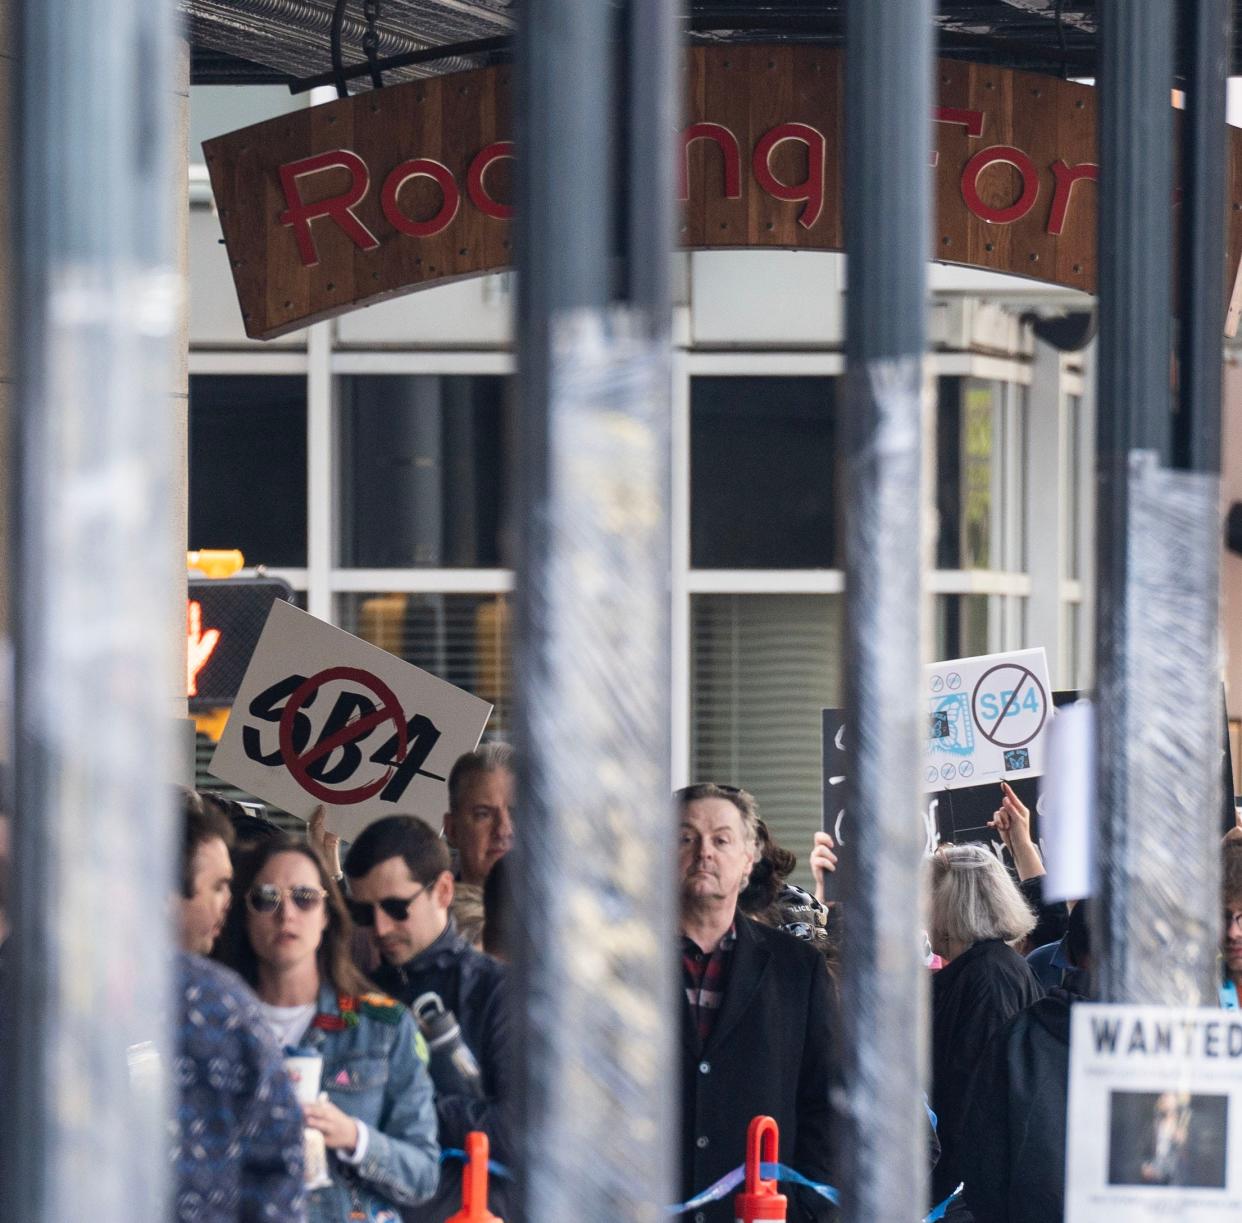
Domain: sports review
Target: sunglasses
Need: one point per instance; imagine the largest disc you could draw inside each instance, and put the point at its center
(267, 897)
(395, 907)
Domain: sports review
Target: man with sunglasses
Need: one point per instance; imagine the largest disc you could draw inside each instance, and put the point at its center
(400, 891)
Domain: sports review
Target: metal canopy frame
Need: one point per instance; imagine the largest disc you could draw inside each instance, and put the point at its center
(1023, 34)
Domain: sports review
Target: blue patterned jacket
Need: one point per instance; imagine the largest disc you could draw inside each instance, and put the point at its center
(238, 1147)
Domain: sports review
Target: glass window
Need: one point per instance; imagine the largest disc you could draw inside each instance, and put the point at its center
(961, 625)
(462, 638)
(763, 473)
(1072, 483)
(1071, 645)
(966, 452)
(248, 466)
(762, 669)
(423, 471)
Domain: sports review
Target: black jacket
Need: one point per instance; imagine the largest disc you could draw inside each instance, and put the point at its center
(1013, 1158)
(771, 1051)
(473, 986)
(972, 998)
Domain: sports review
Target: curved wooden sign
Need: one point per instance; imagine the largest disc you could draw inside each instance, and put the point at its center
(347, 203)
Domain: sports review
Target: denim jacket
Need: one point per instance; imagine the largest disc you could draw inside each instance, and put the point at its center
(375, 1070)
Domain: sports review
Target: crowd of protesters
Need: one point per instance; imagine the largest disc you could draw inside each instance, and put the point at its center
(342, 1027)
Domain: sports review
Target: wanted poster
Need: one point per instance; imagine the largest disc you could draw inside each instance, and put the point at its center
(323, 717)
(1155, 1115)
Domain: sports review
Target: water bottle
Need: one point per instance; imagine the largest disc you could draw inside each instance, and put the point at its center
(442, 1033)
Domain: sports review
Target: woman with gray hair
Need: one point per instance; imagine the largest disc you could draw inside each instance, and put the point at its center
(977, 914)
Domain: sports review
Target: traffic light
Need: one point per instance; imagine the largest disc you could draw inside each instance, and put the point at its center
(224, 618)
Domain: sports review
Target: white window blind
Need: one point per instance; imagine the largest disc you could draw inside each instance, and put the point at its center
(763, 667)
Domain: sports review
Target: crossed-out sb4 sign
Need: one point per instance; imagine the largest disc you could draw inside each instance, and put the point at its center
(987, 719)
(322, 717)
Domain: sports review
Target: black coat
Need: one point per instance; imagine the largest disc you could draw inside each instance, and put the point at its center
(771, 1052)
(972, 998)
(474, 987)
(1013, 1158)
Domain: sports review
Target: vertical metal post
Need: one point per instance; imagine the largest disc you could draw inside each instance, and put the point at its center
(1206, 29)
(1158, 529)
(888, 90)
(596, 99)
(94, 311)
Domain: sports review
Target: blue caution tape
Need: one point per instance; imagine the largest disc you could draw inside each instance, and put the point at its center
(730, 1181)
(769, 1172)
(492, 1166)
(940, 1211)
(781, 1172)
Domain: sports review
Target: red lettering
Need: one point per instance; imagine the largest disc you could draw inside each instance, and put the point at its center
(1007, 155)
(1067, 176)
(339, 207)
(971, 120)
(812, 188)
(727, 143)
(420, 167)
(476, 189)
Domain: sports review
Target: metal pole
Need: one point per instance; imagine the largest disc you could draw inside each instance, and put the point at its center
(1158, 682)
(888, 90)
(1205, 42)
(86, 1048)
(596, 839)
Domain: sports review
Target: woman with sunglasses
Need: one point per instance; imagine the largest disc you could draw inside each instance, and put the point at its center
(290, 940)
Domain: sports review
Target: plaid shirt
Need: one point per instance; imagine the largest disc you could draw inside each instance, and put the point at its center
(705, 977)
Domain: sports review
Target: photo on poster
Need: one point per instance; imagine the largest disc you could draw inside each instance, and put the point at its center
(1171, 1138)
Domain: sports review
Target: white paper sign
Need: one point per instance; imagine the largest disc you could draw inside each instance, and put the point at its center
(1066, 804)
(987, 719)
(323, 717)
(1155, 1115)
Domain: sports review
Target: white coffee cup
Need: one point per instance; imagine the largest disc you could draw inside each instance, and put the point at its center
(305, 1071)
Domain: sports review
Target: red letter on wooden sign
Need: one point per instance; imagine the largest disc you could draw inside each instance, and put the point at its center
(1006, 154)
(727, 142)
(812, 190)
(1067, 176)
(338, 207)
(420, 167)
(971, 120)
(475, 187)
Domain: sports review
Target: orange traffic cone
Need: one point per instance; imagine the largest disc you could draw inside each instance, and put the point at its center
(474, 1184)
(760, 1200)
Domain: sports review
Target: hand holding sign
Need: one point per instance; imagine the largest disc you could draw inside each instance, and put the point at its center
(326, 844)
(1013, 821)
(823, 863)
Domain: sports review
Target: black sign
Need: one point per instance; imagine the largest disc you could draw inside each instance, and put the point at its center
(952, 816)
(224, 617)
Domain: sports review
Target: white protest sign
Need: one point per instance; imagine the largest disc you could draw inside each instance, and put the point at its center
(987, 719)
(323, 717)
(1155, 1114)
(1066, 804)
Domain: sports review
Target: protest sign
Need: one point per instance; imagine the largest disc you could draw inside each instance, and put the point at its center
(1067, 804)
(987, 719)
(1155, 1114)
(323, 717)
(949, 815)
